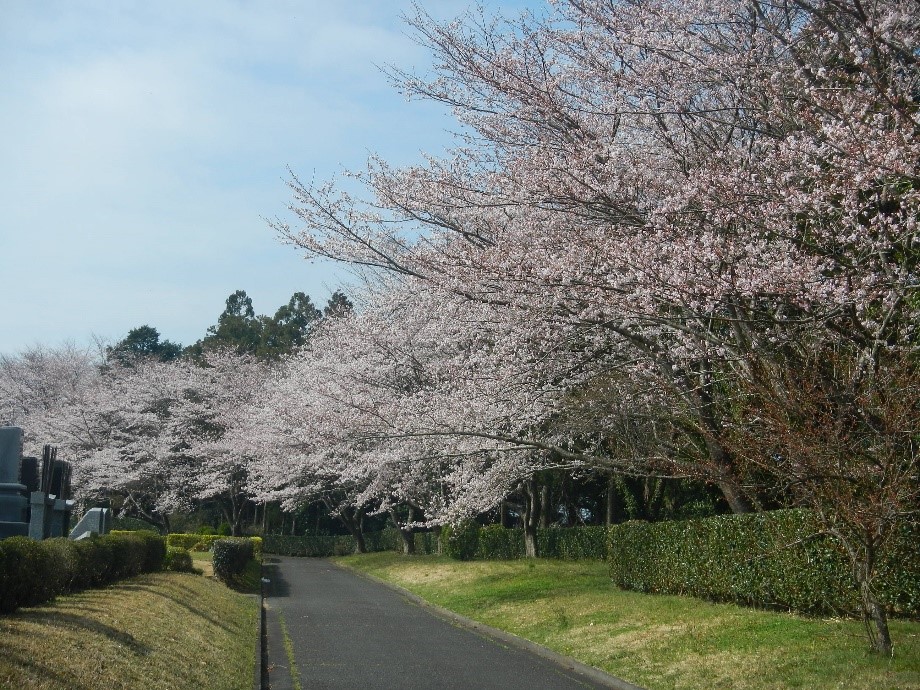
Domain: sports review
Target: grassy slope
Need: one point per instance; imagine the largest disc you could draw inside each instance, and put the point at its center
(164, 630)
(654, 641)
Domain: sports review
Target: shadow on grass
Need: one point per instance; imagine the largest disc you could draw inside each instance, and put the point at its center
(184, 604)
(69, 621)
(42, 673)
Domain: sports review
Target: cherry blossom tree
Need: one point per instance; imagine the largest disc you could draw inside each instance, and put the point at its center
(690, 196)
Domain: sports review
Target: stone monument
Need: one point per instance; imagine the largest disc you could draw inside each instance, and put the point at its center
(14, 505)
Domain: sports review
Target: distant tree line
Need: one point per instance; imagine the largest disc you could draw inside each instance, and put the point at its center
(239, 329)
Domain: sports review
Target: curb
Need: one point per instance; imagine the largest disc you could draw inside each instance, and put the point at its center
(594, 674)
(258, 682)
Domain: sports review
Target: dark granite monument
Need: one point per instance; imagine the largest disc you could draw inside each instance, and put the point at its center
(35, 496)
(14, 506)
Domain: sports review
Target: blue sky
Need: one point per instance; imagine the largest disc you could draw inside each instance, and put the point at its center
(145, 142)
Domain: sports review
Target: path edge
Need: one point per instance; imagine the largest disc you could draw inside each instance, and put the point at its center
(259, 681)
(567, 662)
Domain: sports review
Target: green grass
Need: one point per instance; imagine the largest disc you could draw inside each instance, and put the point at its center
(289, 652)
(163, 630)
(653, 641)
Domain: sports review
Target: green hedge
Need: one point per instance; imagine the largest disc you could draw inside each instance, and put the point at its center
(771, 560)
(340, 545)
(499, 543)
(178, 560)
(461, 541)
(572, 543)
(284, 545)
(193, 542)
(231, 554)
(33, 572)
(205, 542)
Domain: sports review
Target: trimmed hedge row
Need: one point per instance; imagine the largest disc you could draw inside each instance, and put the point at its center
(770, 560)
(205, 542)
(33, 572)
(343, 545)
(564, 543)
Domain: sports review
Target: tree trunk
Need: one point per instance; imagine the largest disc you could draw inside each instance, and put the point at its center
(735, 497)
(407, 535)
(531, 518)
(862, 560)
(544, 506)
(611, 500)
(503, 517)
(352, 520)
(875, 616)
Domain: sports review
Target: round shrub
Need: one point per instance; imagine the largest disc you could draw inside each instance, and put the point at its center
(231, 556)
(178, 560)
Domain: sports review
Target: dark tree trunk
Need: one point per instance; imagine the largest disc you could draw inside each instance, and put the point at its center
(531, 518)
(352, 519)
(862, 560)
(407, 535)
(503, 517)
(611, 500)
(544, 506)
(735, 497)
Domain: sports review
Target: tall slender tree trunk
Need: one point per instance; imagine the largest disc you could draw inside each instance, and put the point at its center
(352, 520)
(531, 518)
(407, 535)
(862, 561)
(544, 507)
(611, 500)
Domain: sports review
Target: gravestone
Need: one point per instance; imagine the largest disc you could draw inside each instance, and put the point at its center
(14, 505)
(95, 521)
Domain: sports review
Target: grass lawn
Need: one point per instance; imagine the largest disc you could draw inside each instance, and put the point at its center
(163, 630)
(653, 641)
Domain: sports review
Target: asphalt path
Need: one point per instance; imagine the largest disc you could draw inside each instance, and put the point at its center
(348, 631)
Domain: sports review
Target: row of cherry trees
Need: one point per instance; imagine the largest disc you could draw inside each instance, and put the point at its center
(674, 238)
(155, 437)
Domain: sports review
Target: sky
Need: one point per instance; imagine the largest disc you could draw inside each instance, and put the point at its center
(146, 143)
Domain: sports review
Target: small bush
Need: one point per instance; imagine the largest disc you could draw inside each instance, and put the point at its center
(178, 560)
(231, 556)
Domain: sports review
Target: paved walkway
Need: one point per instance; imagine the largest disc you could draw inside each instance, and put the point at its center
(347, 631)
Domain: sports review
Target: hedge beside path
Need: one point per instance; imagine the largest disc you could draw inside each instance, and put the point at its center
(34, 572)
(777, 559)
